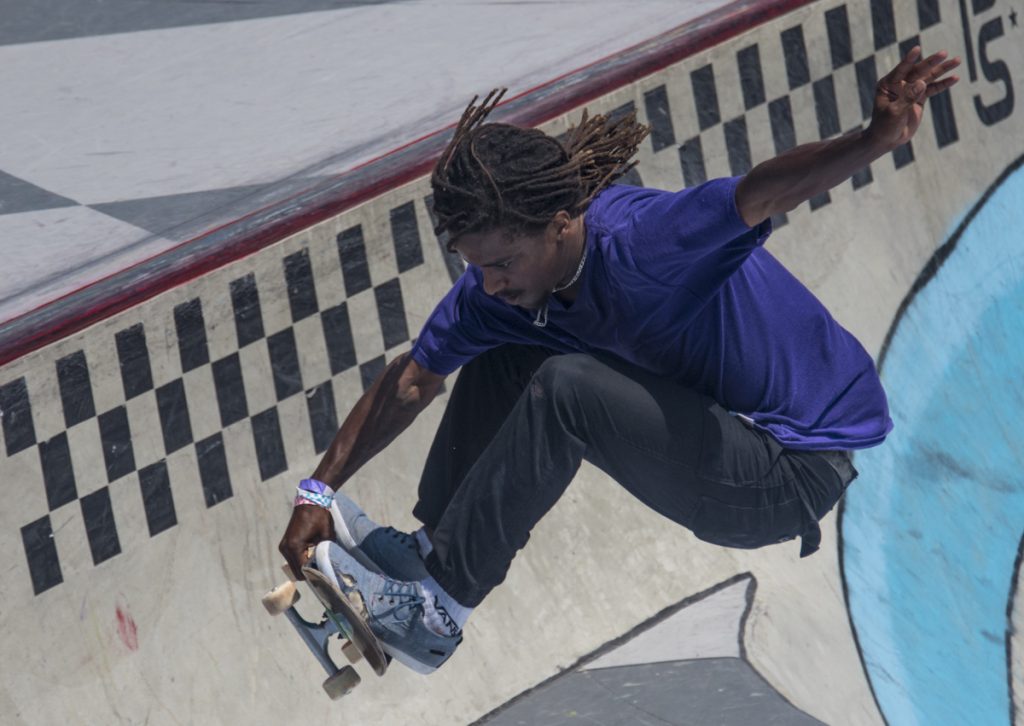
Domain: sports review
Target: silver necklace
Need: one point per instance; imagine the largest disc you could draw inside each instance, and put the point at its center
(542, 315)
(579, 271)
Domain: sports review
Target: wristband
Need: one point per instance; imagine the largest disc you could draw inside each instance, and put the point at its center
(319, 499)
(315, 492)
(316, 486)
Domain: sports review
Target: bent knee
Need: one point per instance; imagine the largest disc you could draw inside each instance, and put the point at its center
(562, 373)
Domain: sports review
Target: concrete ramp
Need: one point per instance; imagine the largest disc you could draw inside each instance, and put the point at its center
(150, 458)
(686, 665)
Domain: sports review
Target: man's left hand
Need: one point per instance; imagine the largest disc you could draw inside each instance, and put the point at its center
(900, 95)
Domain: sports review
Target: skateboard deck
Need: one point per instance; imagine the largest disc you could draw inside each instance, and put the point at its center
(348, 617)
(342, 617)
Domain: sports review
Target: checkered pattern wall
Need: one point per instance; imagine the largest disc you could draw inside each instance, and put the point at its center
(234, 378)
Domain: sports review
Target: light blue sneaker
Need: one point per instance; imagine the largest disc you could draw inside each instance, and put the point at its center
(393, 609)
(384, 550)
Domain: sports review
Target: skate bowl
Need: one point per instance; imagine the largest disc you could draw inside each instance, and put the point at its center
(154, 429)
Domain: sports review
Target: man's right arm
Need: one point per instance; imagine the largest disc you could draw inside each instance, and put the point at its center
(392, 403)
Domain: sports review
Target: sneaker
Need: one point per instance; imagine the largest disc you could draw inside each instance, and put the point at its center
(393, 609)
(384, 550)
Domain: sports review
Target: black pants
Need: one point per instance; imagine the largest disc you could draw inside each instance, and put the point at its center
(520, 420)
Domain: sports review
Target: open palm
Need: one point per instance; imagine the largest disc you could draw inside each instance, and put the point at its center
(901, 94)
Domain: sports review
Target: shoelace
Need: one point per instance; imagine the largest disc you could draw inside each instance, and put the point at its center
(408, 540)
(405, 592)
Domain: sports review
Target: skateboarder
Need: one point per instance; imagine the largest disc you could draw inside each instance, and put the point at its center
(648, 332)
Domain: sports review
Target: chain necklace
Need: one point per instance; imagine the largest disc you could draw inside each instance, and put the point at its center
(579, 271)
(542, 315)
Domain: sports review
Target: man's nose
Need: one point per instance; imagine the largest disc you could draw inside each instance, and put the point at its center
(494, 283)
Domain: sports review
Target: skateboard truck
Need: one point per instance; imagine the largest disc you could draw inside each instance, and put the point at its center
(340, 618)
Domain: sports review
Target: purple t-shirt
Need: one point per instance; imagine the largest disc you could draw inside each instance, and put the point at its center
(678, 284)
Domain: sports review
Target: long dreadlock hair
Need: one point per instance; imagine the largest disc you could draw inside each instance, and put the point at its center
(495, 175)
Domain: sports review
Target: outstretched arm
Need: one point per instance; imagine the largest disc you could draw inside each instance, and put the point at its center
(783, 183)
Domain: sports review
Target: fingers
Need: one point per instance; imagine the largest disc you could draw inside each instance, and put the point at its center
(293, 555)
(912, 68)
(899, 73)
(308, 526)
(923, 70)
(940, 86)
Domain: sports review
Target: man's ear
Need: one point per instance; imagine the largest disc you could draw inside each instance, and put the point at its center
(561, 223)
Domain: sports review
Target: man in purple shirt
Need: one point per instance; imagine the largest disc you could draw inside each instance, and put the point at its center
(648, 332)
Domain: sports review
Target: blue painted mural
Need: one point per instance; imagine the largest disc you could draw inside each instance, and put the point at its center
(932, 529)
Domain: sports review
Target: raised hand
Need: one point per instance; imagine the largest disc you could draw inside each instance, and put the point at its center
(901, 94)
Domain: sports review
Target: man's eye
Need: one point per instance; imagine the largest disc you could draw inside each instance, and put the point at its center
(504, 265)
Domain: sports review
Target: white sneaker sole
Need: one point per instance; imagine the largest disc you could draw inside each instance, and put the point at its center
(322, 557)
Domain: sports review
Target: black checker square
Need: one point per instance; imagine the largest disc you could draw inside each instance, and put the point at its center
(659, 117)
(41, 553)
(819, 200)
(341, 347)
(174, 417)
(355, 269)
(133, 359)
(191, 328)
(269, 443)
(837, 22)
(748, 61)
(245, 303)
(940, 106)
(826, 108)
(213, 470)
(705, 97)
(867, 78)
(19, 430)
(903, 155)
(780, 115)
(883, 23)
(230, 387)
(737, 144)
(157, 498)
(691, 160)
(798, 71)
(100, 528)
(284, 362)
(928, 13)
(298, 273)
(323, 418)
(116, 439)
(75, 388)
(405, 233)
(391, 312)
(58, 473)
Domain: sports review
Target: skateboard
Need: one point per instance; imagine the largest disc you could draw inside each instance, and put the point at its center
(342, 617)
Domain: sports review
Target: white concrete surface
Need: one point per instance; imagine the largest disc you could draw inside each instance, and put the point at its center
(709, 628)
(192, 109)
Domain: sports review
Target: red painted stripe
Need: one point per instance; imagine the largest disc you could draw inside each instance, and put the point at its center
(261, 228)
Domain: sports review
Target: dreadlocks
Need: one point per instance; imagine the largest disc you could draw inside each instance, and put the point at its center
(497, 175)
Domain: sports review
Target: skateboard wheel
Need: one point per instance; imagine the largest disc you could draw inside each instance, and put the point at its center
(350, 651)
(281, 598)
(341, 683)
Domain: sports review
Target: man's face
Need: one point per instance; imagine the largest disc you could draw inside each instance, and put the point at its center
(520, 269)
